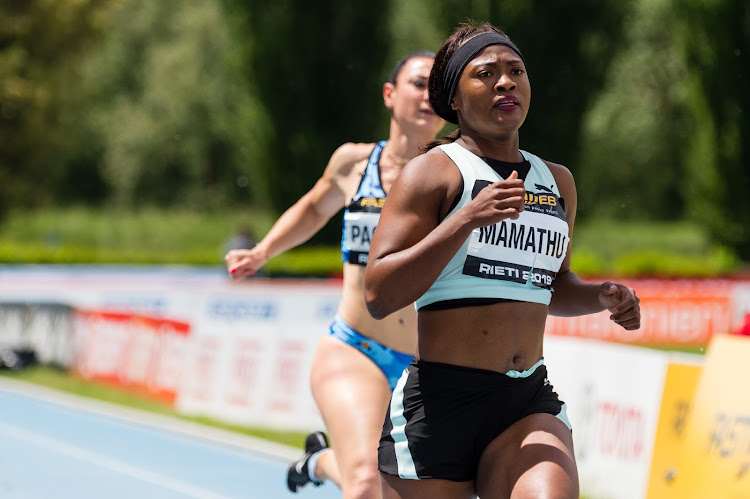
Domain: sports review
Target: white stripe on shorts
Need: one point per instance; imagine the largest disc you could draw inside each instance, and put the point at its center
(404, 459)
(563, 416)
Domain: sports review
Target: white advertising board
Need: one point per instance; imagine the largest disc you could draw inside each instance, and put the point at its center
(613, 393)
(251, 354)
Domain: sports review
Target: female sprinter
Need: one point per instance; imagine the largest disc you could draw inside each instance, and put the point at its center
(477, 233)
(355, 366)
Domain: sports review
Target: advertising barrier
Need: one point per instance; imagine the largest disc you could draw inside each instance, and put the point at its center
(683, 313)
(675, 313)
(679, 389)
(35, 332)
(252, 352)
(713, 458)
(137, 352)
(614, 397)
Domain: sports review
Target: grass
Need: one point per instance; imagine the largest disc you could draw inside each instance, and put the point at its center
(150, 236)
(86, 235)
(154, 236)
(631, 249)
(60, 380)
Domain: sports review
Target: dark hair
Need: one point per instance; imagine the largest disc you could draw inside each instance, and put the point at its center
(400, 64)
(438, 99)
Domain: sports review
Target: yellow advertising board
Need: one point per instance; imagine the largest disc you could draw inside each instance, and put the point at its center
(679, 389)
(714, 456)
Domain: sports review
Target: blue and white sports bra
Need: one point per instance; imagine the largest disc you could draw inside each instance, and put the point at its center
(363, 213)
(512, 259)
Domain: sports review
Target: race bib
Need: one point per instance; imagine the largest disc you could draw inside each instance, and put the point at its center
(529, 249)
(359, 228)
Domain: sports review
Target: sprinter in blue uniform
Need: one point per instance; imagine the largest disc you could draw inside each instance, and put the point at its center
(357, 364)
(477, 233)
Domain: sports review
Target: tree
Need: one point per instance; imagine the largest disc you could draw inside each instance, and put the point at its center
(633, 133)
(41, 44)
(317, 67)
(667, 139)
(176, 123)
(715, 37)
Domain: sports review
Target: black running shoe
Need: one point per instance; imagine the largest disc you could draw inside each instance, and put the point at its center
(298, 476)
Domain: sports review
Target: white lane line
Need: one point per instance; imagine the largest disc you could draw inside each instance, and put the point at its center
(104, 461)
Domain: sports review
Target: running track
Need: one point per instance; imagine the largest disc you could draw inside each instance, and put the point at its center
(54, 445)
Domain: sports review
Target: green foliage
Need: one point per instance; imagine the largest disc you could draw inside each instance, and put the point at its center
(149, 235)
(318, 69)
(720, 262)
(175, 237)
(667, 138)
(637, 249)
(404, 38)
(41, 46)
(210, 104)
(628, 165)
(319, 261)
(175, 122)
(715, 38)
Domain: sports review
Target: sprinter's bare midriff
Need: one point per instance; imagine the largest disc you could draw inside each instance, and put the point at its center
(501, 337)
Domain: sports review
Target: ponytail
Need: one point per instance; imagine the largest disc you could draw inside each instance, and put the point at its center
(451, 137)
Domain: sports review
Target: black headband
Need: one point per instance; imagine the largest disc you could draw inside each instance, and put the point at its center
(466, 53)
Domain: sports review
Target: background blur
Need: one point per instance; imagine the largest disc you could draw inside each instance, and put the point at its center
(148, 132)
(166, 132)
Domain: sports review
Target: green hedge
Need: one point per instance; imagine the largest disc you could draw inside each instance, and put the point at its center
(151, 236)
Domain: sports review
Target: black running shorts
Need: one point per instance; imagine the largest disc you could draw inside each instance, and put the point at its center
(442, 417)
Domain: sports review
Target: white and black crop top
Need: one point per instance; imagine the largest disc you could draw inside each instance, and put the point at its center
(512, 259)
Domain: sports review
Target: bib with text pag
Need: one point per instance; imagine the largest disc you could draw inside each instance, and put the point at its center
(360, 221)
(363, 212)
